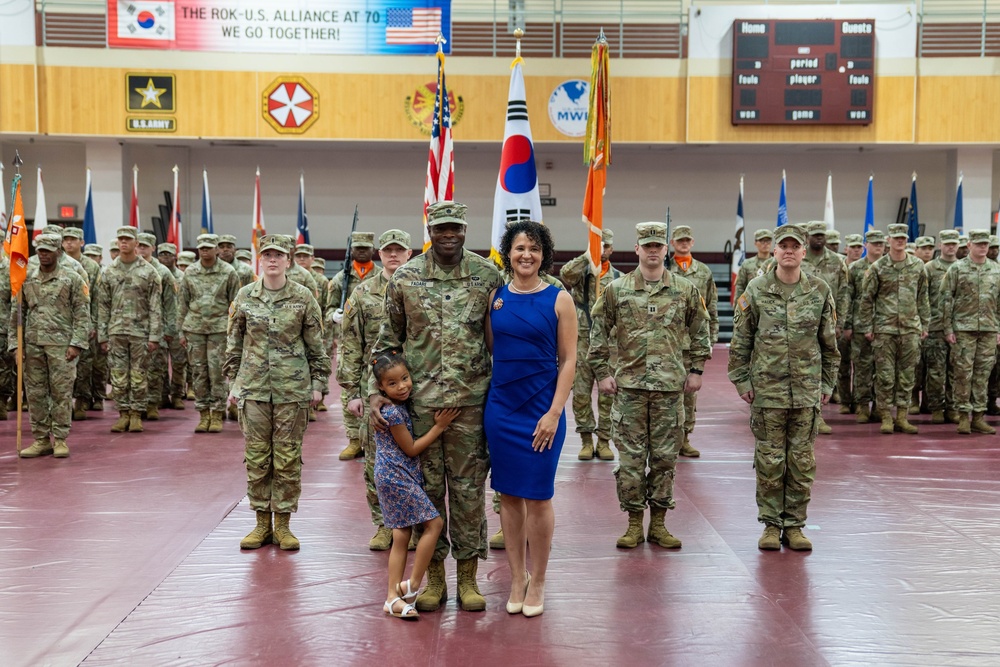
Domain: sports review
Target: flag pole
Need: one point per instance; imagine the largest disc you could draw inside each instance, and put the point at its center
(20, 333)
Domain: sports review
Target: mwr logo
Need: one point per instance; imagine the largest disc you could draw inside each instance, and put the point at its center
(420, 106)
(290, 105)
(568, 107)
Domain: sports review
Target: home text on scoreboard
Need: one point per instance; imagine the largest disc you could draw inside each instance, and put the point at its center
(818, 72)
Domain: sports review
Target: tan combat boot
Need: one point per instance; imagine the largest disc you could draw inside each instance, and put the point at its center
(587, 451)
(497, 542)
(321, 407)
(232, 413)
(79, 410)
(177, 402)
(824, 428)
(97, 405)
(312, 414)
(134, 422)
(604, 450)
(189, 396)
(40, 447)
(992, 409)
(60, 449)
(352, 451)
(153, 412)
(846, 409)
(979, 424)
(469, 597)
(435, 593)
(937, 416)
(795, 540)
(887, 423)
(964, 427)
(658, 533)
(686, 448)
(902, 424)
(771, 539)
(283, 536)
(864, 414)
(214, 421)
(260, 535)
(121, 425)
(952, 416)
(382, 539)
(206, 418)
(633, 535)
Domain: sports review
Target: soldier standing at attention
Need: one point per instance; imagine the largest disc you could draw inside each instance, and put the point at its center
(186, 258)
(362, 268)
(72, 245)
(937, 351)
(243, 255)
(8, 372)
(833, 241)
(971, 313)
(56, 320)
(963, 246)
(227, 253)
(783, 360)
(113, 249)
(318, 269)
(894, 315)
(157, 363)
(94, 251)
(129, 327)
(436, 314)
(759, 263)
(575, 275)
(207, 289)
(855, 248)
(303, 258)
(855, 245)
(99, 374)
(657, 324)
(924, 252)
(277, 366)
(173, 394)
(685, 265)
(862, 356)
(363, 316)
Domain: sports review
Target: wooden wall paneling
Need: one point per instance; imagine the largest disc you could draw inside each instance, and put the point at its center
(958, 109)
(18, 98)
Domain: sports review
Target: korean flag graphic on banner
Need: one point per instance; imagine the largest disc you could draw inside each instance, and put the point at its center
(146, 20)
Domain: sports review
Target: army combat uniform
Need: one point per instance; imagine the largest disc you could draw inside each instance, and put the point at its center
(157, 363)
(862, 354)
(172, 393)
(83, 386)
(937, 351)
(7, 362)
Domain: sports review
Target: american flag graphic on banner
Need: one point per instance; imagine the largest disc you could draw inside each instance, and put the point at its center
(412, 25)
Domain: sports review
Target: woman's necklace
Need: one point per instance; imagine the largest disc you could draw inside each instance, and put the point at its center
(530, 291)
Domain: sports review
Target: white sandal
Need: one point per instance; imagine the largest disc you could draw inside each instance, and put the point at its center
(407, 613)
(409, 595)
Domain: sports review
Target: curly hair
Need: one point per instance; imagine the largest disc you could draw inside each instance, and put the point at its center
(535, 231)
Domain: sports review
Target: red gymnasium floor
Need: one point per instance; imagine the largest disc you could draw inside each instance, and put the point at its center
(127, 554)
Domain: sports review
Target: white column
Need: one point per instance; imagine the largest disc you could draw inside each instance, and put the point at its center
(105, 161)
(975, 164)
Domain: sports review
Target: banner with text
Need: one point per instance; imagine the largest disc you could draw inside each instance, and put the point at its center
(281, 26)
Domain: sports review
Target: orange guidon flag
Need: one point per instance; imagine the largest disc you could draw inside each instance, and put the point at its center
(597, 152)
(16, 241)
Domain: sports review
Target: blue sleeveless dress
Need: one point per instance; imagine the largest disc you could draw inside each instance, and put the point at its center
(525, 370)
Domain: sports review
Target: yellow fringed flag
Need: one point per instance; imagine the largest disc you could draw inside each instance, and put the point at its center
(597, 152)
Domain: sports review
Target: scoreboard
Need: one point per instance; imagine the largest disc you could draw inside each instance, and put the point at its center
(819, 72)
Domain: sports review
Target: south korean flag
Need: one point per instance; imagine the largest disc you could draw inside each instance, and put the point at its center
(146, 20)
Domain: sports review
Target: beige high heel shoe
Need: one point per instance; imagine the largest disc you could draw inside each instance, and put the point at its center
(516, 607)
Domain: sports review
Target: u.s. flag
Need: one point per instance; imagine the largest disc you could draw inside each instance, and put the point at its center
(412, 25)
(146, 20)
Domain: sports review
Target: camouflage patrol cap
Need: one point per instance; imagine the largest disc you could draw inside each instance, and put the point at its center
(446, 211)
(127, 232)
(145, 238)
(227, 238)
(243, 254)
(319, 263)
(363, 239)
(832, 236)
(963, 240)
(72, 233)
(925, 241)
(607, 236)
(816, 228)
(979, 236)
(762, 234)
(994, 241)
(681, 232)
(93, 250)
(897, 231)
(874, 236)
(651, 232)
(796, 232)
(51, 242)
(948, 236)
(910, 247)
(397, 236)
(186, 258)
(114, 244)
(305, 249)
(169, 248)
(207, 241)
(854, 240)
(279, 242)
(53, 228)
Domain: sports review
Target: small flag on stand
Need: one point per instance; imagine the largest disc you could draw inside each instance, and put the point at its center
(89, 225)
(517, 196)
(913, 229)
(258, 226)
(41, 214)
(782, 203)
(207, 224)
(959, 222)
(739, 247)
(597, 153)
(302, 222)
(175, 232)
(828, 207)
(133, 210)
(440, 185)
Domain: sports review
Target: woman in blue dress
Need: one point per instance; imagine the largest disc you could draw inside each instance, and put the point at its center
(532, 336)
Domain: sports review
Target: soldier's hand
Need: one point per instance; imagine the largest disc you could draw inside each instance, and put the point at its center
(748, 397)
(337, 316)
(232, 399)
(356, 407)
(869, 337)
(923, 335)
(317, 398)
(692, 384)
(608, 386)
(375, 417)
(104, 348)
(952, 339)
(152, 346)
(72, 353)
(825, 399)
(184, 341)
(848, 333)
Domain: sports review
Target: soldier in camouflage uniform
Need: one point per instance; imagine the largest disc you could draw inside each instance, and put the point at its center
(827, 265)
(318, 268)
(657, 324)
(894, 315)
(436, 314)
(99, 374)
(94, 251)
(685, 265)
(783, 360)
(362, 268)
(186, 258)
(855, 248)
(56, 316)
(833, 241)
(576, 276)
(303, 258)
(855, 245)
(7, 361)
(924, 252)
(756, 265)
(363, 316)
(994, 386)
(207, 289)
(937, 351)
(129, 327)
(244, 255)
(963, 246)
(157, 373)
(970, 307)
(113, 249)
(72, 245)
(862, 354)
(277, 365)
(227, 253)
(172, 393)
